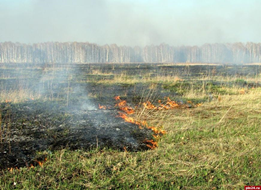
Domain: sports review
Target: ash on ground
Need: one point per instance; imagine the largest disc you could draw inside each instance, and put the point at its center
(34, 126)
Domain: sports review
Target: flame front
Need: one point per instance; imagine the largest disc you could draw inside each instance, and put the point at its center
(149, 105)
(151, 144)
(127, 110)
(129, 119)
(122, 105)
(168, 105)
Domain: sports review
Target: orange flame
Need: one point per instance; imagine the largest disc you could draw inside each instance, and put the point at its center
(178, 79)
(101, 106)
(199, 104)
(40, 163)
(117, 98)
(122, 106)
(171, 103)
(149, 105)
(157, 131)
(151, 144)
(128, 110)
(129, 119)
(168, 105)
(242, 91)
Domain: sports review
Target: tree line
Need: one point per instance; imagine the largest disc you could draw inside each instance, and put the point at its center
(84, 52)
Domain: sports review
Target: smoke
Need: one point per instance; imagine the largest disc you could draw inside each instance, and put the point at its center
(175, 22)
(59, 82)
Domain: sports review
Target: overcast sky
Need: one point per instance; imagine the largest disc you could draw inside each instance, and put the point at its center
(131, 22)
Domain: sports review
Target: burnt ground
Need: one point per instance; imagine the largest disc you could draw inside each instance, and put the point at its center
(74, 121)
(35, 126)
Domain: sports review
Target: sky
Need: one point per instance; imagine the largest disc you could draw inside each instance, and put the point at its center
(131, 22)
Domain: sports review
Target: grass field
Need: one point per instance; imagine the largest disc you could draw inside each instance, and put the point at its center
(216, 145)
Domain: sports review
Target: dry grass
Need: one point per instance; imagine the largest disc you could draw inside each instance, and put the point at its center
(16, 96)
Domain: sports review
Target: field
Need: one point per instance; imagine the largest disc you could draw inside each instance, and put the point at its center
(130, 126)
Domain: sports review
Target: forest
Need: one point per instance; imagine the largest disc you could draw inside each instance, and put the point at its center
(84, 52)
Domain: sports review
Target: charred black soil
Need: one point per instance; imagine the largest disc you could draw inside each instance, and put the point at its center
(35, 126)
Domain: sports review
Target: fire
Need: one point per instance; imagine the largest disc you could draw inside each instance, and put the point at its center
(170, 104)
(117, 98)
(102, 106)
(151, 144)
(122, 105)
(127, 110)
(157, 131)
(178, 79)
(242, 91)
(199, 104)
(149, 105)
(128, 119)
(12, 169)
(40, 163)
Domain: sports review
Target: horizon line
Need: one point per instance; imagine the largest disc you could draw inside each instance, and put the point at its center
(163, 43)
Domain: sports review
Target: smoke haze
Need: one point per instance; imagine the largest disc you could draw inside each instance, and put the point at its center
(131, 23)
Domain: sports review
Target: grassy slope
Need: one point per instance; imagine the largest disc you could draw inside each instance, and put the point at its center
(214, 146)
